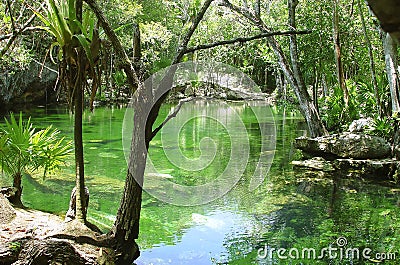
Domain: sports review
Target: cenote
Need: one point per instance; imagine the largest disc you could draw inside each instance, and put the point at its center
(292, 209)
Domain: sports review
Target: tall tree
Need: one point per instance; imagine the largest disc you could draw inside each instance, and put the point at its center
(391, 61)
(307, 107)
(146, 107)
(338, 54)
(79, 46)
(371, 59)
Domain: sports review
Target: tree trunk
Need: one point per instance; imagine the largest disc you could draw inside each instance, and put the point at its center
(126, 227)
(292, 4)
(307, 108)
(17, 183)
(78, 72)
(338, 55)
(390, 50)
(371, 61)
(79, 159)
(137, 51)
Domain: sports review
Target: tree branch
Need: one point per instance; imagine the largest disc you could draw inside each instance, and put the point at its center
(15, 34)
(242, 40)
(182, 48)
(168, 77)
(170, 116)
(124, 61)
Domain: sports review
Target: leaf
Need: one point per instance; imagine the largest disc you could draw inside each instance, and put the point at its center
(86, 46)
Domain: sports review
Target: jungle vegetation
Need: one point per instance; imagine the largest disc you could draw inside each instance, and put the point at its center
(341, 67)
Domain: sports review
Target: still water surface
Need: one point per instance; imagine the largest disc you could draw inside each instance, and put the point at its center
(290, 209)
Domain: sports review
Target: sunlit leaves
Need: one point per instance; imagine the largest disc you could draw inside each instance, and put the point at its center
(23, 148)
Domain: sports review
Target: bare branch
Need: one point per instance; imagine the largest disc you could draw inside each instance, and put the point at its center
(23, 32)
(242, 40)
(182, 48)
(243, 11)
(11, 16)
(168, 78)
(170, 116)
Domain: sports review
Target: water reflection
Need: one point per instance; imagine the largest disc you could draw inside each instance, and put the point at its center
(291, 209)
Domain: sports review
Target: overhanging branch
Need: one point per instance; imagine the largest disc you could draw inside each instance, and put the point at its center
(170, 116)
(242, 40)
(124, 61)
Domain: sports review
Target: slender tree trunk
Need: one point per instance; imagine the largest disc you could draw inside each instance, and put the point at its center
(78, 72)
(292, 4)
(390, 50)
(295, 77)
(371, 60)
(307, 108)
(79, 159)
(338, 54)
(137, 51)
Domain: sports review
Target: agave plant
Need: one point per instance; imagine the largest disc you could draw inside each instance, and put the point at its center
(23, 148)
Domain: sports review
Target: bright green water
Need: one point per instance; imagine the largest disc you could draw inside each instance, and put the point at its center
(291, 209)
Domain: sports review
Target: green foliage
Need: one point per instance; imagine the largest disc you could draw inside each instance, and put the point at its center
(15, 246)
(23, 148)
(362, 103)
(383, 127)
(60, 20)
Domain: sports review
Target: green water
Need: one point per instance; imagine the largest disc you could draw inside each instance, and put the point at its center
(291, 209)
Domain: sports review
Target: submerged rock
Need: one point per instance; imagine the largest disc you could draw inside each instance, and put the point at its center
(346, 145)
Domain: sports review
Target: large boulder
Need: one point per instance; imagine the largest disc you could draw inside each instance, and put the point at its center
(346, 145)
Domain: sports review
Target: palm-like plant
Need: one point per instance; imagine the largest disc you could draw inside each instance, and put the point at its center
(23, 148)
(78, 41)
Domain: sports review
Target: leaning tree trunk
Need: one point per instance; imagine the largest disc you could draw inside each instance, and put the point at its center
(307, 108)
(292, 4)
(371, 60)
(126, 227)
(390, 50)
(338, 54)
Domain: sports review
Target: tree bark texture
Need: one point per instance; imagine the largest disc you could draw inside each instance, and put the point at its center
(17, 184)
(78, 139)
(390, 50)
(338, 54)
(371, 60)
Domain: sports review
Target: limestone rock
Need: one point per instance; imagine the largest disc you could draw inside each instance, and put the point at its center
(7, 212)
(361, 125)
(317, 163)
(346, 145)
(378, 168)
